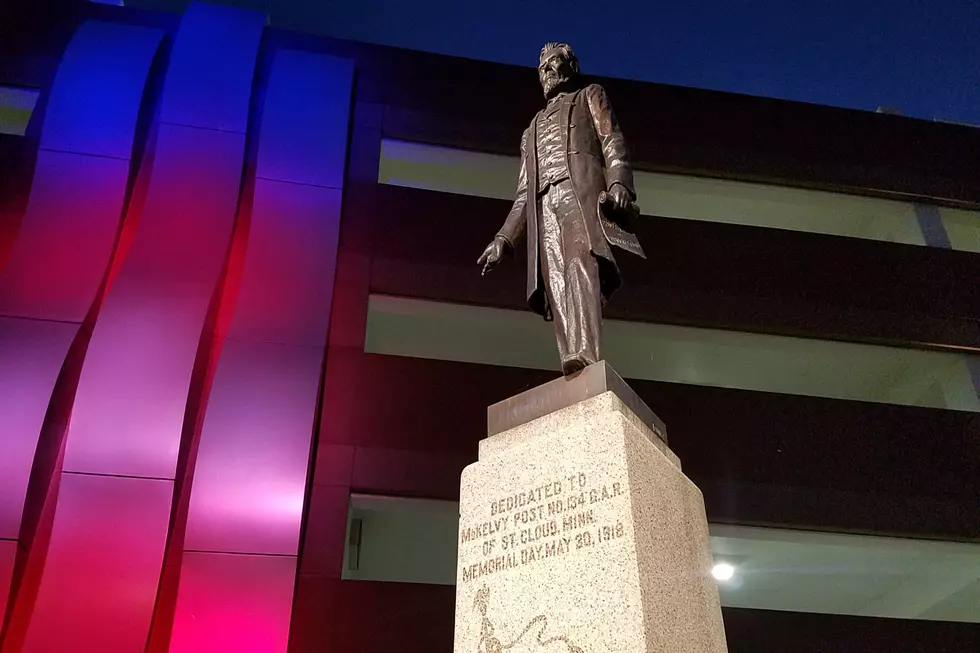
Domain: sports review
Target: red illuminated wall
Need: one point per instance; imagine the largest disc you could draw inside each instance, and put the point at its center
(163, 322)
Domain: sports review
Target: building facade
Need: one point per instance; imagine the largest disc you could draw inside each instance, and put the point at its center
(245, 349)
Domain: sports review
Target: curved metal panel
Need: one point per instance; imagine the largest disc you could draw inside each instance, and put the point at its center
(114, 507)
(95, 99)
(305, 119)
(104, 529)
(32, 353)
(212, 67)
(250, 477)
(287, 282)
(76, 201)
(256, 435)
(251, 470)
(64, 245)
(65, 242)
(230, 602)
(129, 410)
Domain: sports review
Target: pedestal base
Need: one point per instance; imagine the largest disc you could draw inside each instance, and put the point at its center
(579, 532)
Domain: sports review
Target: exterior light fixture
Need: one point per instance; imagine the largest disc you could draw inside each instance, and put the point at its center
(723, 571)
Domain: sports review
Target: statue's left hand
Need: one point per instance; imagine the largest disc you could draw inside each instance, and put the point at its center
(619, 198)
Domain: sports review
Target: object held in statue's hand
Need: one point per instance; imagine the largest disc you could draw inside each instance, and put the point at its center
(609, 209)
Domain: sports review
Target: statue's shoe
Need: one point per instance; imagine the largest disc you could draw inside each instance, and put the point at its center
(570, 366)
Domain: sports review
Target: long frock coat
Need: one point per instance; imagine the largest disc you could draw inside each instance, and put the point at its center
(597, 159)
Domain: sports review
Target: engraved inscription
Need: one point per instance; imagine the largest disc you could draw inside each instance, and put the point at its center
(545, 521)
(481, 530)
(521, 499)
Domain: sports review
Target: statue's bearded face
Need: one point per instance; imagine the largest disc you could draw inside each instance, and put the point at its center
(554, 71)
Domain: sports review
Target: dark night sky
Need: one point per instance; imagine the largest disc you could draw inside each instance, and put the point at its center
(920, 56)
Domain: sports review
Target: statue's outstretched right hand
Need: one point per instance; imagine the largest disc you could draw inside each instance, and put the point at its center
(492, 254)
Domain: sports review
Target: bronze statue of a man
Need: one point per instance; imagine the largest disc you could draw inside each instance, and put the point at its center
(574, 201)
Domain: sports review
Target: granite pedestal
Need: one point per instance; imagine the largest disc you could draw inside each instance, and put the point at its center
(579, 532)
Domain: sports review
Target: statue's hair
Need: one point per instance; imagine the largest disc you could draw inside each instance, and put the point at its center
(566, 51)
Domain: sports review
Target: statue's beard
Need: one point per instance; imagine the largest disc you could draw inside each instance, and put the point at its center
(552, 83)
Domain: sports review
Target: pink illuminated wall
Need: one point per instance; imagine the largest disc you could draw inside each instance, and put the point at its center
(51, 283)
(134, 399)
(246, 505)
(234, 603)
(125, 511)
